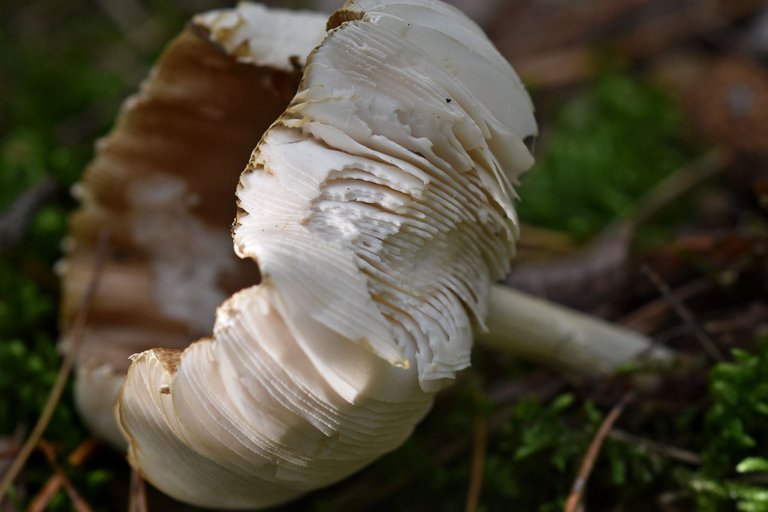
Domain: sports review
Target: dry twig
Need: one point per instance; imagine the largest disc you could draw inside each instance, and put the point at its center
(44, 497)
(647, 317)
(480, 446)
(15, 219)
(54, 483)
(703, 337)
(64, 371)
(577, 489)
(137, 499)
(678, 183)
(650, 446)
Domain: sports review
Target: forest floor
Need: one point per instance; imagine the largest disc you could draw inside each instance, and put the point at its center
(648, 206)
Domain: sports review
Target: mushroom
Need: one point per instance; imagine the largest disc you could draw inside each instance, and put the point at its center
(163, 181)
(373, 217)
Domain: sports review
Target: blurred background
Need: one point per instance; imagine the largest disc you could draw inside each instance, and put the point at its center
(648, 205)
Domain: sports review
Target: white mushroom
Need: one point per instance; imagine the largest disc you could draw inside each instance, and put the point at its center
(377, 208)
(163, 181)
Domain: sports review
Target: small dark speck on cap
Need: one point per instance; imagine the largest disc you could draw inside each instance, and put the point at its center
(447, 100)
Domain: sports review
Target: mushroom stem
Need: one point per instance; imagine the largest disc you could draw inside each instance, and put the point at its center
(553, 335)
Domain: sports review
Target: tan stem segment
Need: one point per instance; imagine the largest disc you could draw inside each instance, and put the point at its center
(559, 337)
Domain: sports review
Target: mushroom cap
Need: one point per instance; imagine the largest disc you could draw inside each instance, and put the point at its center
(378, 210)
(376, 205)
(163, 182)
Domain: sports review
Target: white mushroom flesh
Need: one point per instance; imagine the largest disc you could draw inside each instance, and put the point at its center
(163, 183)
(378, 208)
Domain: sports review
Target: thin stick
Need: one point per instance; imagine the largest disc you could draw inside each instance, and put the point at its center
(15, 220)
(640, 317)
(46, 494)
(580, 483)
(64, 371)
(54, 483)
(40, 502)
(137, 500)
(703, 337)
(648, 445)
(676, 184)
(478, 462)
(83, 451)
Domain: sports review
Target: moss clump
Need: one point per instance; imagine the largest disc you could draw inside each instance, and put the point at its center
(608, 146)
(735, 453)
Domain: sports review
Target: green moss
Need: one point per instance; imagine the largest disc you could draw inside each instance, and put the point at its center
(736, 435)
(50, 112)
(537, 454)
(610, 144)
